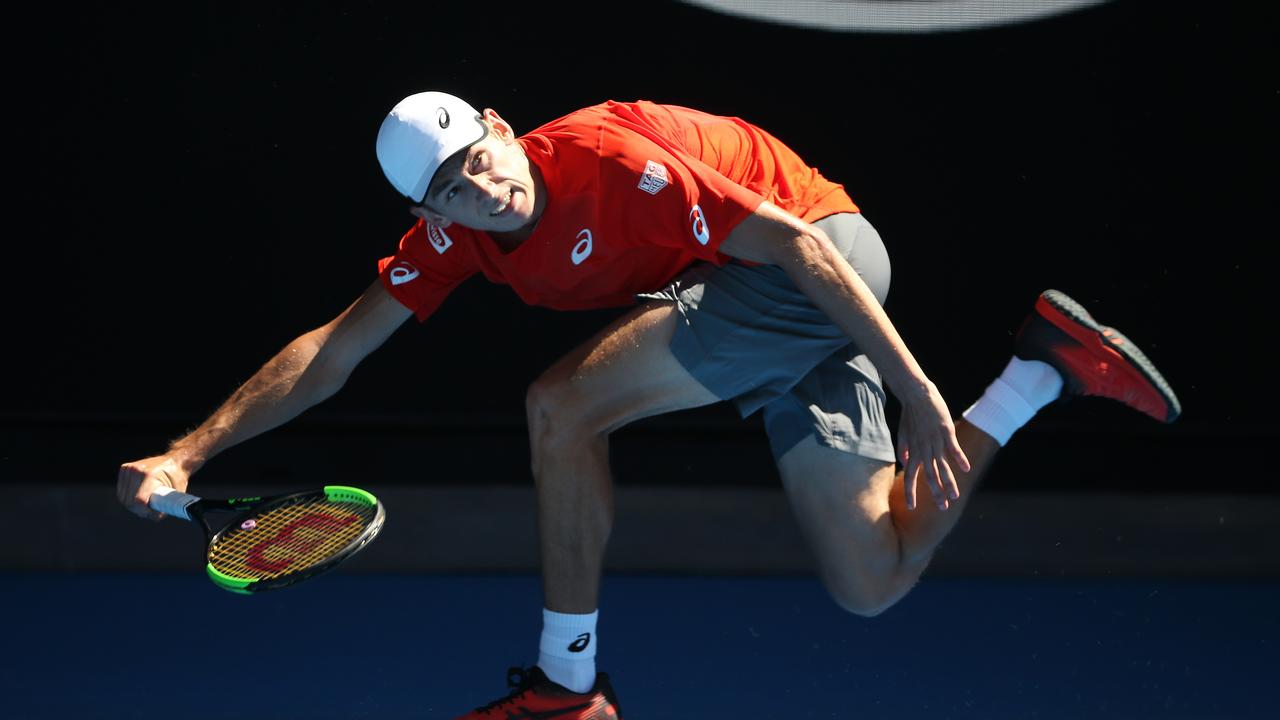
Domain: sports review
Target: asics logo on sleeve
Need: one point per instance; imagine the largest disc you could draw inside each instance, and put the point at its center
(654, 177)
(581, 643)
(698, 223)
(403, 272)
(583, 248)
(439, 240)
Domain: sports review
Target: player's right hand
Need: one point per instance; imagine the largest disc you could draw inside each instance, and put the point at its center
(138, 479)
(928, 448)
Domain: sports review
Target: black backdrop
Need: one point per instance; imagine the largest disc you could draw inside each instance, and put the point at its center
(196, 185)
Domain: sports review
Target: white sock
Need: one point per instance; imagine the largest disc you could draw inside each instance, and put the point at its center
(1012, 399)
(567, 651)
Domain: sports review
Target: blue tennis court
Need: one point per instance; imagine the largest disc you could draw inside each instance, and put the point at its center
(354, 645)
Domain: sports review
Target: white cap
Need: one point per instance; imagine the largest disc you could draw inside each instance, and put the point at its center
(420, 133)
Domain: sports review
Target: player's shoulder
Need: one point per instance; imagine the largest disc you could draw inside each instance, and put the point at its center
(611, 133)
(572, 138)
(633, 114)
(574, 122)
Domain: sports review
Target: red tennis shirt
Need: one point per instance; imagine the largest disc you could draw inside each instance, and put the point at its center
(636, 192)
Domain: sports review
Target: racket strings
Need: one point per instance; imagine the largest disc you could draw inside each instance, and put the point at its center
(290, 538)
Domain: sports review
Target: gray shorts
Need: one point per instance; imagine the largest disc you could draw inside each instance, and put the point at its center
(750, 336)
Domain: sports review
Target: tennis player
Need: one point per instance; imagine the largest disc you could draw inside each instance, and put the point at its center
(753, 280)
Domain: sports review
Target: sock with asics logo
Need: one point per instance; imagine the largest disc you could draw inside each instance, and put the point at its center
(567, 651)
(1012, 399)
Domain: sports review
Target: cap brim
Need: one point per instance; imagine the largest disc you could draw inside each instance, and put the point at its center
(484, 133)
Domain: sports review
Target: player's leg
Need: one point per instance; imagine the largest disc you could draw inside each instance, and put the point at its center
(871, 549)
(835, 454)
(624, 373)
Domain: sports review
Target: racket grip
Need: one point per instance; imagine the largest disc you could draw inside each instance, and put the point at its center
(171, 502)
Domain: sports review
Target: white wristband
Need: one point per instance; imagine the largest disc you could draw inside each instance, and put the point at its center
(171, 502)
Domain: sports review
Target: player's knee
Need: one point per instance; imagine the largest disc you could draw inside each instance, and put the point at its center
(555, 413)
(862, 601)
(544, 401)
(867, 591)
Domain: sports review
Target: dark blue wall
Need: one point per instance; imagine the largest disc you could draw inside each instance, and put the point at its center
(198, 186)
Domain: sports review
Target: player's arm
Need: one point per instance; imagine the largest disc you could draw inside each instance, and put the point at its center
(772, 235)
(308, 370)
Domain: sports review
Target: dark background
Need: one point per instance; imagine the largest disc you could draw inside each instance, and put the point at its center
(196, 185)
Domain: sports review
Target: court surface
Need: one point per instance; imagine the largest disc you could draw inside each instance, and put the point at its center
(356, 645)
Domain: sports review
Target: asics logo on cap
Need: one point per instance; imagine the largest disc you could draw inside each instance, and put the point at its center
(403, 272)
(442, 117)
(439, 240)
(698, 222)
(583, 248)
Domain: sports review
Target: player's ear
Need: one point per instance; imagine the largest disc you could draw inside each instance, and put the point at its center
(499, 127)
(422, 213)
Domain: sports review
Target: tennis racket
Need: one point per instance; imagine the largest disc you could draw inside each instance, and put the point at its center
(274, 542)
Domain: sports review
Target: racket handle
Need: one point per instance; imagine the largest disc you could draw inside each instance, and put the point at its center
(171, 502)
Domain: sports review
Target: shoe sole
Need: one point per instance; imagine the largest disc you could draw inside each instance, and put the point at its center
(1114, 340)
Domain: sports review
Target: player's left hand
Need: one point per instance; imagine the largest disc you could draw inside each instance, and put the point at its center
(927, 445)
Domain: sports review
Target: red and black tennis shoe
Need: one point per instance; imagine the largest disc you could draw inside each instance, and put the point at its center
(1093, 360)
(537, 698)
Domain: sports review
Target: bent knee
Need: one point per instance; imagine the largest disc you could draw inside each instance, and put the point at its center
(559, 418)
(862, 604)
(867, 598)
(543, 398)
(553, 402)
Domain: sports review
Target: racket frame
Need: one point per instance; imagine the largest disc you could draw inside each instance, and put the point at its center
(247, 507)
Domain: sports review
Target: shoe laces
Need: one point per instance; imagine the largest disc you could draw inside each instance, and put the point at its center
(518, 678)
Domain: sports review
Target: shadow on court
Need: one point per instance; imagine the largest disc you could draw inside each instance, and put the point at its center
(379, 646)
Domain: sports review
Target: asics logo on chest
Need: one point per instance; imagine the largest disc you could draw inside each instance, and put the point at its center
(582, 249)
(698, 224)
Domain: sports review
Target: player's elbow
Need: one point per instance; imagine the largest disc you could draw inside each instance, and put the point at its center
(806, 249)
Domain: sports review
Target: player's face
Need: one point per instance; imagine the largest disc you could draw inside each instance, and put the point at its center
(490, 186)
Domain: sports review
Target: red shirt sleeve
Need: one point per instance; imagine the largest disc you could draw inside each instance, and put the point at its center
(654, 191)
(426, 268)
